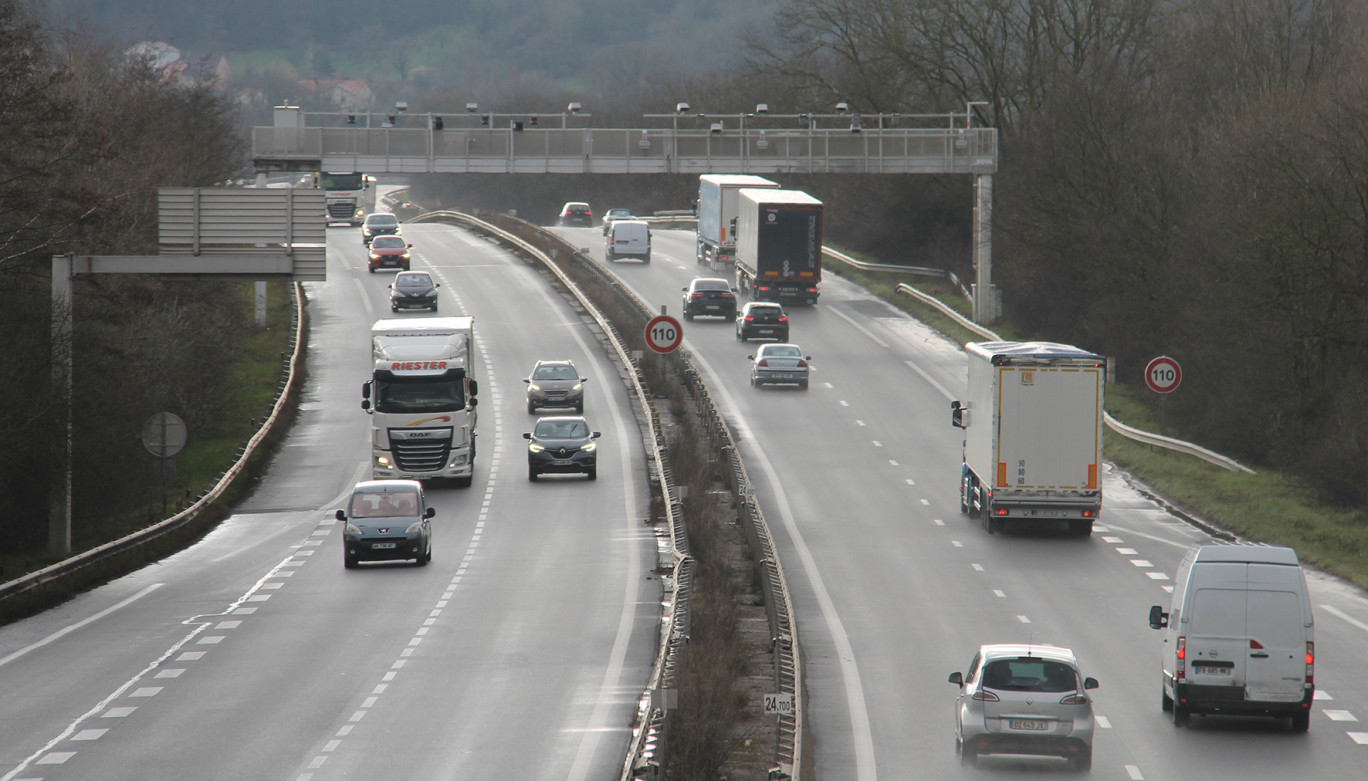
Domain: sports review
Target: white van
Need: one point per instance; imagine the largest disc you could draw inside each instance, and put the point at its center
(628, 239)
(1238, 635)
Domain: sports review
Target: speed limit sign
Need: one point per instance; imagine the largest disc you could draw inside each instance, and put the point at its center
(663, 334)
(1163, 374)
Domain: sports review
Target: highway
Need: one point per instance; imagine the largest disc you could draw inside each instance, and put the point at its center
(895, 589)
(519, 652)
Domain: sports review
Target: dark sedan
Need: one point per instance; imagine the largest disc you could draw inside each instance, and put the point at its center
(413, 290)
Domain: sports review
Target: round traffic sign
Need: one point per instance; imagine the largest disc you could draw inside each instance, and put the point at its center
(663, 334)
(1163, 374)
(164, 434)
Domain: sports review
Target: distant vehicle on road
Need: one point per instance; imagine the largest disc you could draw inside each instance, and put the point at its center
(709, 296)
(561, 445)
(379, 224)
(779, 363)
(762, 319)
(387, 520)
(388, 252)
(576, 213)
(628, 239)
(612, 215)
(555, 384)
(413, 290)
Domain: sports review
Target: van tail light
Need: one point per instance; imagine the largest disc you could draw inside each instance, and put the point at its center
(1310, 662)
(1255, 645)
(985, 696)
(1000, 511)
(1180, 669)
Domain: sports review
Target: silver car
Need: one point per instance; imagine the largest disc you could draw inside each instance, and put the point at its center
(1024, 699)
(555, 384)
(779, 363)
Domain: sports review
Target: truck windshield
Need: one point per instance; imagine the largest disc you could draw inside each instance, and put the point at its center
(340, 181)
(428, 394)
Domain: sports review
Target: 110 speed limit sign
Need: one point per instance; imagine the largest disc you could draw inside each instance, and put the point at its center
(1163, 374)
(663, 334)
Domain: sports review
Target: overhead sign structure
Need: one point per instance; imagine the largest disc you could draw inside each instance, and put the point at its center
(1163, 374)
(663, 334)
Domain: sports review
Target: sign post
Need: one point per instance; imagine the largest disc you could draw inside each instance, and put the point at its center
(1162, 375)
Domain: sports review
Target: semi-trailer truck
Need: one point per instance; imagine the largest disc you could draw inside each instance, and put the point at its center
(1032, 435)
(779, 245)
(717, 203)
(422, 398)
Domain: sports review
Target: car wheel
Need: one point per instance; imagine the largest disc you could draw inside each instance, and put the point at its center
(394, 308)
(348, 560)
(579, 408)
(754, 383)
(532, 474)
(688, 315)
(966, 754)
(1301, 722)
(647, 259)
(426, 555)
(1180, 715)
(740, 336)
(1082, 761)
(531, 408)
(371, 269)
(803, 385)
(592, 473)
(434, 307)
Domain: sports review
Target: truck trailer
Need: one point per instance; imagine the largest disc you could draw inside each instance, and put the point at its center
(422, 398)
(1032, 435)
(717, 203)
(779, 245)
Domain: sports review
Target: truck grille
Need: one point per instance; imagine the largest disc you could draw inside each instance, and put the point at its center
(421, 455)
(341, 209)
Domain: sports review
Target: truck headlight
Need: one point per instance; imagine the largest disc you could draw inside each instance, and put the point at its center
(383, 461)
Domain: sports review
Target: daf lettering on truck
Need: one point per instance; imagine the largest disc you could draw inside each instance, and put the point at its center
(1032, 427)
(422, 397)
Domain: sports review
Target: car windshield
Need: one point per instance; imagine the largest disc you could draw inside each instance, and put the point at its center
(781, 351)
(1030, 675)
(413, 280)
(555, 373)
(391, 504)
(388, 242)
(382, 220)
(562, 429)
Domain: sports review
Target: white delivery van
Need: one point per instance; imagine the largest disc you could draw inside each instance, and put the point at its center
(628, 239)
(1238, 635)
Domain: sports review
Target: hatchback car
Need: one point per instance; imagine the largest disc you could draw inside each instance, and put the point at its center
(779, 363)
(555, 384)
(759, 319)
(387, 520)
(576, 213)
(413, 290)
(562, 444)
(616, 214)
(709, 296)
(379, 224)
(1024, 699)
(389, 252)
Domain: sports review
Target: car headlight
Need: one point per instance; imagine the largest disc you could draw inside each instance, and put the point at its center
(374, 256)
(588, 447)
(353, 529)
(405, 256)
(578, 385)
(533, 386)
(535, 448)
(414, 528)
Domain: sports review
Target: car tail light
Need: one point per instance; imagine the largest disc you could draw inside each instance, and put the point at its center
(692, 296)
(1310, 662)
(728, 295)
(1180, 669)
(1077, 698)
(750, 318)
(802, 364)
(762, 362)
(983, 695)
(783, 318)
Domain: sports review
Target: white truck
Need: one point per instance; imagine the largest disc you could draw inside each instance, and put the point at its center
(717, 202)
(350, 196)
(422, 398)
(1032, 434)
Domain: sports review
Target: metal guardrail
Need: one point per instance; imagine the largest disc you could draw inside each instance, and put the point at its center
(1128, 432)
(643, 758)
(73, 564)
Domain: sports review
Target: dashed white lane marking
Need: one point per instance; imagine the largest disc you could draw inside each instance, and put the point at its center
(1126, 551)
(1339, 715)
(877, 443)
(1103, 722)
(1134, 773)
(957, 543)
(999, 593)
(1141, 563)
(977, 567)
(1360, 738)
(1024, 619)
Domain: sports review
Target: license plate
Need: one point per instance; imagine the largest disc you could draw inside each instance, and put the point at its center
(1219, 671)
(382, 546)
(564, 462)
(784, 376)
(1029, 725)
(713, 306)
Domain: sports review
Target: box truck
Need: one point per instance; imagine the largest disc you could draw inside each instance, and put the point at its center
(422, 398)
(717, 202)
(1032, 427)
(779, 245)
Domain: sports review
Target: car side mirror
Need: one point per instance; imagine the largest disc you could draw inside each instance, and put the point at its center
(432, 513)
(807, 357)
(526, 435)
(957, 678)
(598, 434)
(341, 515)
(1090, 683)
(584, 379)
(527, 380)
(1158, 619)
(750, 357)
(685, 289)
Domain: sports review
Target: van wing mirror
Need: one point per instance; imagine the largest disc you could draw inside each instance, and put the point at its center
(956, 415)
(1158, 619)
(431, 512)
(341, 515)
(474, 387)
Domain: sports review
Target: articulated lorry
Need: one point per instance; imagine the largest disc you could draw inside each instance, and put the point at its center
(779, 245)
(350, 196)
(422, 399)
(717, 203)
(1032, 434)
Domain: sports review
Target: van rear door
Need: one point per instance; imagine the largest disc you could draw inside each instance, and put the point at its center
(1276, 668)
(1216, 639)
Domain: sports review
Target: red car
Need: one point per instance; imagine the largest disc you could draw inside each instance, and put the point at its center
(389, 252)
